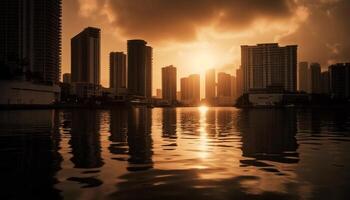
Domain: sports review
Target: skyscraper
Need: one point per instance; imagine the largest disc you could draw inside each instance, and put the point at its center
(149, 68)
(159, 93)
(269, 65)
(233, 87)
(239, 82)
(169, 84)
(139, 69)
(117, 72)
(210, 85)
(190, 89)
(314, 77)
(67, 78)
(303, 77)
(85, 62)
(324, 82)
(340, 80)
(224, 85)
(30, 40)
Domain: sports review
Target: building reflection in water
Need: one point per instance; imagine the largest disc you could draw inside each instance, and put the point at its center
(169, 134)
(139, 138)
(268, 135)
(85, 139)
(189, 122)
(119, 130)
(29, 154)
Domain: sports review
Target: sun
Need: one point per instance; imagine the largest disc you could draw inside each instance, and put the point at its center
(203, 109)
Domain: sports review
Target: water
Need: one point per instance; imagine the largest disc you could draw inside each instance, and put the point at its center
(183, 153)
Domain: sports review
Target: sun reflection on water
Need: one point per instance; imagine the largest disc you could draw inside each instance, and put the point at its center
(203, 135)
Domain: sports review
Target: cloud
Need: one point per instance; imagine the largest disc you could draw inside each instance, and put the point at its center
(324, 37)
(180, 20)
(320, 27)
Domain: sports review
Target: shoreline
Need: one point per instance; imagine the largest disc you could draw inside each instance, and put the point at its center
(124, 105)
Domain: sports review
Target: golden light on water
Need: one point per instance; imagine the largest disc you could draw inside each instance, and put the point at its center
(203, 138)
(203, 109)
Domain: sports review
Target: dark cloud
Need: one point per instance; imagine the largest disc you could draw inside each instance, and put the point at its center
(179, 19)
(324, 37)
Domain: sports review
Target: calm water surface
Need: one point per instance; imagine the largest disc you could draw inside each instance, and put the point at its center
(182, 153)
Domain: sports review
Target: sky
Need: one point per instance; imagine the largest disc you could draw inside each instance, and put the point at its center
(195, 35)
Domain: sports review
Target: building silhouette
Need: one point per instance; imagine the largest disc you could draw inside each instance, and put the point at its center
(269, 65)
(169, 86)
(210, 86)
(340, 80)
(30, 40)
(303, 76)
(233, 87)
(190, 90)
(85, 62)
(314, 78)
(224, 85)
(325, 82)
(117, 72)
(239, 82)
(67, 78)
(159, 94)
(139, 69)
(149, 68)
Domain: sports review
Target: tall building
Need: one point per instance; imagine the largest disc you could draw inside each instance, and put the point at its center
(30, 40)
(117, 72)
(303, 76)
(339, 75)
(210, 85)
(85, 62)
(233, 87)
(190, 89)
(169, 84)
(158, 93)
(269, 66)
(239, 82)
(139, 69)
(325, 82)
(67, 78)
(224, 85)
(149, 68)
(314, 77)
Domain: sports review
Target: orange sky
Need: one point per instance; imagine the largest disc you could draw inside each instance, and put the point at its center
(199, 34)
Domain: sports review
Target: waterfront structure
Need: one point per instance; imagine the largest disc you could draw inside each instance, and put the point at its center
(28, 93)
(210, 86)
(30, 40)
(190, 90)
(85, 62)
(303, 76)
(139, 69)
(169, 86)
(314, 78)
(67, 78)
(269, 65)
(117, 73)
(339, 75)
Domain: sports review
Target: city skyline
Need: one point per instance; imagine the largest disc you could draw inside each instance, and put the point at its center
(175, 99)
(219, 48)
